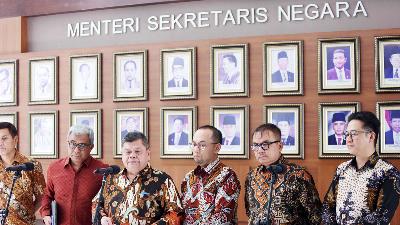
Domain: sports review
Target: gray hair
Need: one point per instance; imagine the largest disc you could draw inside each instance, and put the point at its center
(82, 130)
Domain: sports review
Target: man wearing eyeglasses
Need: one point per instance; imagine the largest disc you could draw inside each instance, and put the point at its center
(365, 189)
(210, 192)
(71, 182)
(278, 192)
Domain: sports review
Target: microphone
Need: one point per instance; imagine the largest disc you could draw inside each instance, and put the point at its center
(276, 169)
(28, 166)
(108, 170)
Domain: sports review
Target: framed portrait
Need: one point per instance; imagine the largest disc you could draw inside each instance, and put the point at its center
(389, 115)
(178, 73)
(387, 64)
(43, 80)
(178, 126)
(92, 119)
(283, 68)
(43, 134)
(229, 70)
(290, 120)
(11, 117)
(332, 125)
(130, 76)
(8, 82)
(125, 121)
(85, 78)
(232, 121)
(339, 65)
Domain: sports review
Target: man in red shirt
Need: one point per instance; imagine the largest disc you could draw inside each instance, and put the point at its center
(71, 182)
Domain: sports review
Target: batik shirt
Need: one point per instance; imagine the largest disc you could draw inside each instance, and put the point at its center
(294, 200)
(368, 195)
(150, 198)
(210, 195)
(28, 187)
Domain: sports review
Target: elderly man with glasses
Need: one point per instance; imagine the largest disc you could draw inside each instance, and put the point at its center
(71, 182)
(278, 192)
(365, 189)
(210, 192)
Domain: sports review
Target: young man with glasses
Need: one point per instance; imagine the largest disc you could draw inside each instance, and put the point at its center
(278, 192)
(71, 182)
(365, 189)
(210, 192)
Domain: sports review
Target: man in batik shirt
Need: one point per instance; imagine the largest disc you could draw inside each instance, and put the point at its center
(210, 192)
(365, 189)
(28, 188)
(292, 199)
(139, 194)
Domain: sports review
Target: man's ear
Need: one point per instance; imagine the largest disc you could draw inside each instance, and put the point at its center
(280, 146)
(217, 148)
(373, 136)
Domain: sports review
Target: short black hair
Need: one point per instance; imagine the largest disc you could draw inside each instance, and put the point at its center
(134, 136)
(129, 61)
(231, 58)
(83, 65)
(10, 127)
(369, 120)
(269, 127)
(179, 118)
(216, 134)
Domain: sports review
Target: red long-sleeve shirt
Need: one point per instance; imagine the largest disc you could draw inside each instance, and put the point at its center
(72, 190)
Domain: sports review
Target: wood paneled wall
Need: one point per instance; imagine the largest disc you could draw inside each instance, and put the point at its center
(321, 169)
(13, 35)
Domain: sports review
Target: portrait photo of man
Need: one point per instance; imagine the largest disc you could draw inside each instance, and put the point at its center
(283, 75)
(6, 85)
(229, 130)
(340, 71)
(392, 136)
(178, 136)
(84, 74)
(43, 83)
(130, 82)
(230, 71)
(284, 121)
(338, 125)
(43, 137)
(131, 125)
(178, 74)
(85, 79)
(393, 71)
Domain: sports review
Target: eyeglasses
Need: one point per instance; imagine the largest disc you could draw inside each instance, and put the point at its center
(353, 133)
(202, 145)
(5, 138)
(81, 146)
(264, 146)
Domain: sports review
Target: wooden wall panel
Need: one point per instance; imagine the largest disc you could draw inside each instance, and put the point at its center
(14, 35)
(321, 169)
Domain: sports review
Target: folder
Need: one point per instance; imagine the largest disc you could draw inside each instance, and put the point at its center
(53, 212)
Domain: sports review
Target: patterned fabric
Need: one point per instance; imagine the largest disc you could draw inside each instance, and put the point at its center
(295, 199)
(28, 187)
(72, 190)
(368, 195)
(210, 195)
(151, 198)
